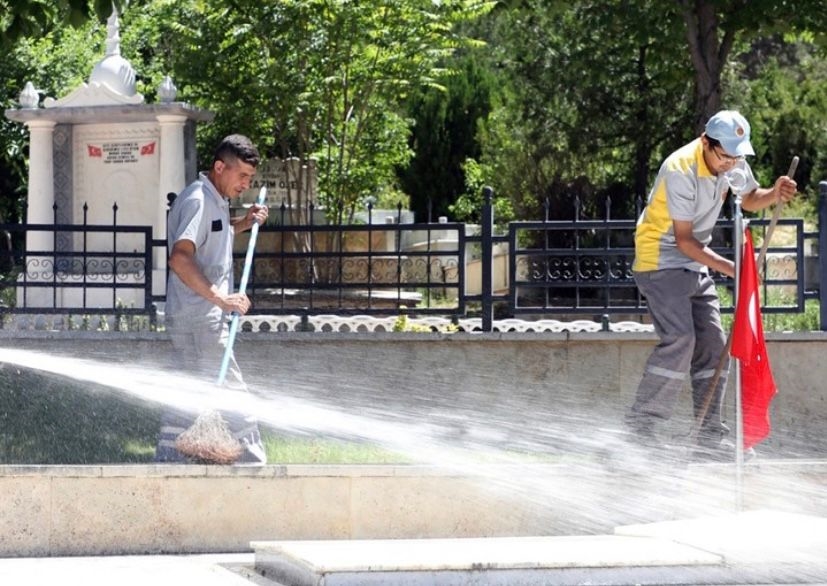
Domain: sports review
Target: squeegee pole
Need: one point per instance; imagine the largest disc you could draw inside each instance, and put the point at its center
(242, 288)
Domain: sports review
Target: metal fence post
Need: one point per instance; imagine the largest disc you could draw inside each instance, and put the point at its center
(822, 254)
(487, 259)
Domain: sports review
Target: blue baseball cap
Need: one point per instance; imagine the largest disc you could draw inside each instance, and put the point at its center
(732, 130)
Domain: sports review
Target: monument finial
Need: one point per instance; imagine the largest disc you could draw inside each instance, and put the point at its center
(167, 90)
(113, 80)
(114, 70)
(29, 97)
(113, 37)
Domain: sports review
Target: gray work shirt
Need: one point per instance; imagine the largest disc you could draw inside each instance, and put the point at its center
(685, 189)
(201, 215)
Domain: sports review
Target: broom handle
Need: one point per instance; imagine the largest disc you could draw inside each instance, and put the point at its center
(776, 214)
(699, 419)
(242, 288)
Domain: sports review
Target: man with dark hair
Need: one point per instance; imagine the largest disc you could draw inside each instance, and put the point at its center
(200, 282)
(671, 269)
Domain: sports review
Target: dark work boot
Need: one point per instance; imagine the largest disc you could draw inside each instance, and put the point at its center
(717, 448)
(642, 432)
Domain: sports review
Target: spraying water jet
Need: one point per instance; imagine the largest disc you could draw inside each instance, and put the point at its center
(467, 453)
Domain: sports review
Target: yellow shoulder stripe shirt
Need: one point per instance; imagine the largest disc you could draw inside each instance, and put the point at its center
(684, 189)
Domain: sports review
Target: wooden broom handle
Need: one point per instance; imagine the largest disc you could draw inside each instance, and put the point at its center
(776, 214)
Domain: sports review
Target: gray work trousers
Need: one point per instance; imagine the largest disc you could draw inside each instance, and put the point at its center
(686, 314)
(199, 349)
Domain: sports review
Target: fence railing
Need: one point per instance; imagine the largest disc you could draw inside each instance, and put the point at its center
(583, 266)
(531, 269)
(78, 269)
(372, 269)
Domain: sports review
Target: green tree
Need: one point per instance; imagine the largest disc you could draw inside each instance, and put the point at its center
(444, 136)
(317, 80)
(714, 28)
(600, 92)
(781, 85)
(596, 90)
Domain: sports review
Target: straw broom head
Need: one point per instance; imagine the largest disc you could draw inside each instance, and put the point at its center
(209, 441)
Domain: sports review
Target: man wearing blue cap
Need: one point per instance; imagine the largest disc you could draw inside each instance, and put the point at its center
(671, 269)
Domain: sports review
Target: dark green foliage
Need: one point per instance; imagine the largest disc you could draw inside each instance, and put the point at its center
(45, 419)
(595, 94)
(598, 94)
(783, 88)
(316, 80)
(444, 135)
(34, 18)
(12, 170)
(565, 100)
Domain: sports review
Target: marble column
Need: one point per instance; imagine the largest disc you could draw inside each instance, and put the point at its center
(41, 196)
(172, 179)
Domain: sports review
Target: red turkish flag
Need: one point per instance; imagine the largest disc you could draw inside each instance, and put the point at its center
(94, 151)
(748, 346)
(148, 149)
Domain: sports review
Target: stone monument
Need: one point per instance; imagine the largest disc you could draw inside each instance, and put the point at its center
(102, 146)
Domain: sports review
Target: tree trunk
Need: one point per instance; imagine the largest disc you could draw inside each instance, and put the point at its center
(708, 52)
(643, 140)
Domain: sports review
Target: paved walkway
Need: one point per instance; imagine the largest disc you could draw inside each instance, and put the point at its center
(179, 570)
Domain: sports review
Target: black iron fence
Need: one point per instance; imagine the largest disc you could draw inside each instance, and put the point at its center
(369, 268)
(592, 272)
(76, 270)
(531, 269)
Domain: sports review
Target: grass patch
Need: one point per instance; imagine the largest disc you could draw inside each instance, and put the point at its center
(808, 320)
(51, 420)
(47, 419)
(309, 450)
(306, 450)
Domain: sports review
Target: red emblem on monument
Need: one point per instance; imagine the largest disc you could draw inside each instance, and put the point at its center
(148, 149)
(94, 151)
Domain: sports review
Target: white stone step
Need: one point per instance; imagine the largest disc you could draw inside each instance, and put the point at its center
(744, 548)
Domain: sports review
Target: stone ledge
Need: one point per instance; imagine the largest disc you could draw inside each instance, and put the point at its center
(811, 468)
(139, 509)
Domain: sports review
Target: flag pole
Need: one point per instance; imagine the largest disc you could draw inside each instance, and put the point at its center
(739, 233)
(740, 226)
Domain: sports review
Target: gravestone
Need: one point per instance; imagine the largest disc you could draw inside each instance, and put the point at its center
(289, 182)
